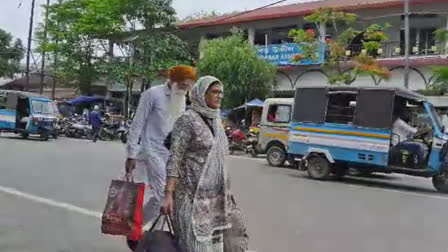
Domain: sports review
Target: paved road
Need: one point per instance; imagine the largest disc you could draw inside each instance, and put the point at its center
(52, 193)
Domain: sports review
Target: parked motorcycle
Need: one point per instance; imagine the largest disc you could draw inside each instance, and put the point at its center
(237, 141)
(123, 131)
(252, 143)
(109, 131)
(78, 127)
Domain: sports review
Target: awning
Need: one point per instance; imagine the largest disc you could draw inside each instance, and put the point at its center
(254, 103)
(85, 100)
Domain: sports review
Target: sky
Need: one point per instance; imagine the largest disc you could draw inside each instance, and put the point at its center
(15, 19)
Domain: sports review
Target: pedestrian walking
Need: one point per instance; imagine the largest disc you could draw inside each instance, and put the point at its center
(95, 122)
(158, 108)
(197, 193)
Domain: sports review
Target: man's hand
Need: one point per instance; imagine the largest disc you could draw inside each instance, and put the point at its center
(130, 165)
(168, 203)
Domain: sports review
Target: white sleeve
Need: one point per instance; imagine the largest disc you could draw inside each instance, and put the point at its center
(138, 124)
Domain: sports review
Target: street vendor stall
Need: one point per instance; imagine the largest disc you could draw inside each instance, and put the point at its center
(113, 107)
(253, 108)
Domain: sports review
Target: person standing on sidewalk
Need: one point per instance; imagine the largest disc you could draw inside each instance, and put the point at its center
(158, 108)
(95, 121)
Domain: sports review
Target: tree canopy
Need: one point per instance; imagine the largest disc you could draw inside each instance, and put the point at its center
(340, 67)
(10, 54)
(235, 62)
(80, 32)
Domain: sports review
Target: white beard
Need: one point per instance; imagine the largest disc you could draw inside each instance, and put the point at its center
(177, 103)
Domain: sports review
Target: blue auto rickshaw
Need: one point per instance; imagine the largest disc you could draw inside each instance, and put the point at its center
(27, 114)
(337, 128)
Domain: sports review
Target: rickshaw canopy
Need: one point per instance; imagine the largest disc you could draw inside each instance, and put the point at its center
(372, 106)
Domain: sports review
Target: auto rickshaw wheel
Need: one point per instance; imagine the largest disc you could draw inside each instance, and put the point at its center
(318, 167)
(440, 181)
(44, 136)
(276, 156)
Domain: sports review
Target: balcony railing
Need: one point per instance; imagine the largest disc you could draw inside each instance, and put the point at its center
(397, 49)
(283, 54)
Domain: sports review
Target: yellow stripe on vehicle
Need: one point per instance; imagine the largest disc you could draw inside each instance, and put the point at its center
(340, 132)
(279, 136)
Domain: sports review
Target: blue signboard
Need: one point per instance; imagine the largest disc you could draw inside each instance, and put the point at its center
(282, 54)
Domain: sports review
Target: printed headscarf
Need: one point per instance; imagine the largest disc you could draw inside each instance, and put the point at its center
(197, 95)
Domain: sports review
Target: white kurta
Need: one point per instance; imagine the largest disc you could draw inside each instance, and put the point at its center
(151, 124)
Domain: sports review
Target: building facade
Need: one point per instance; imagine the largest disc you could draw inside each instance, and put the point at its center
(268, 29)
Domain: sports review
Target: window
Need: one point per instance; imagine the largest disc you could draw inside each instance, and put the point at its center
(310, 105)
(279, 114)
(42, 107)
(341, 107)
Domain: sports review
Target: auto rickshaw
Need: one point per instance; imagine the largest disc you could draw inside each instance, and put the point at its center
(274, 130)
(26, 114)
(388, 130)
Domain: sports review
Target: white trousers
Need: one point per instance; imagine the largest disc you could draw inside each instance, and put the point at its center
(152, 172)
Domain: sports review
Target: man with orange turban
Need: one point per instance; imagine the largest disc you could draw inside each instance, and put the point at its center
(156, 113)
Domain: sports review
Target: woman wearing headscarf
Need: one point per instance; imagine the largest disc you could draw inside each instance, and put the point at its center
(198, 193)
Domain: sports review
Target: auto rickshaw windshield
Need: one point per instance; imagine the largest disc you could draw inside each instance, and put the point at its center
(436, 118)
(42, 107)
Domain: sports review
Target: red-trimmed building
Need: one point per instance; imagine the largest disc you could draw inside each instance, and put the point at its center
(270, 26)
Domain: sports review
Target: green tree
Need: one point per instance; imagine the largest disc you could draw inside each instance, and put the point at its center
(235, 62)
(341, 68)
(152, 49)
(439, 85)
(79, 32)
(10, 54)
(77, 35)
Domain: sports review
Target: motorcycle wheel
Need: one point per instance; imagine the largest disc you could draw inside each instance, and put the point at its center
(25, 135)
(124, 138)
(89, 135)
(253, 153)
(102, 135)
(77, 134)
(44, 136)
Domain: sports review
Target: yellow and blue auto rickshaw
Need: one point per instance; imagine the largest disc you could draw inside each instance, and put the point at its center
(388, 130)
(27, 114)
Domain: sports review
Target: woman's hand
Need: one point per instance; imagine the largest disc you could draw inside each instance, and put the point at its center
(168, 204)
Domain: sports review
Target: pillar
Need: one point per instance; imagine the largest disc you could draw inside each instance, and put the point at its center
(251, 35)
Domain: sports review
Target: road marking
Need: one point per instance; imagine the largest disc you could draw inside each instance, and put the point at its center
(398, 191)
(50, 202)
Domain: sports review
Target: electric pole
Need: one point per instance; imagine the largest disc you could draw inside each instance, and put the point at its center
(55, 63)
(407, 41)
(30, 36)
(42, 68)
